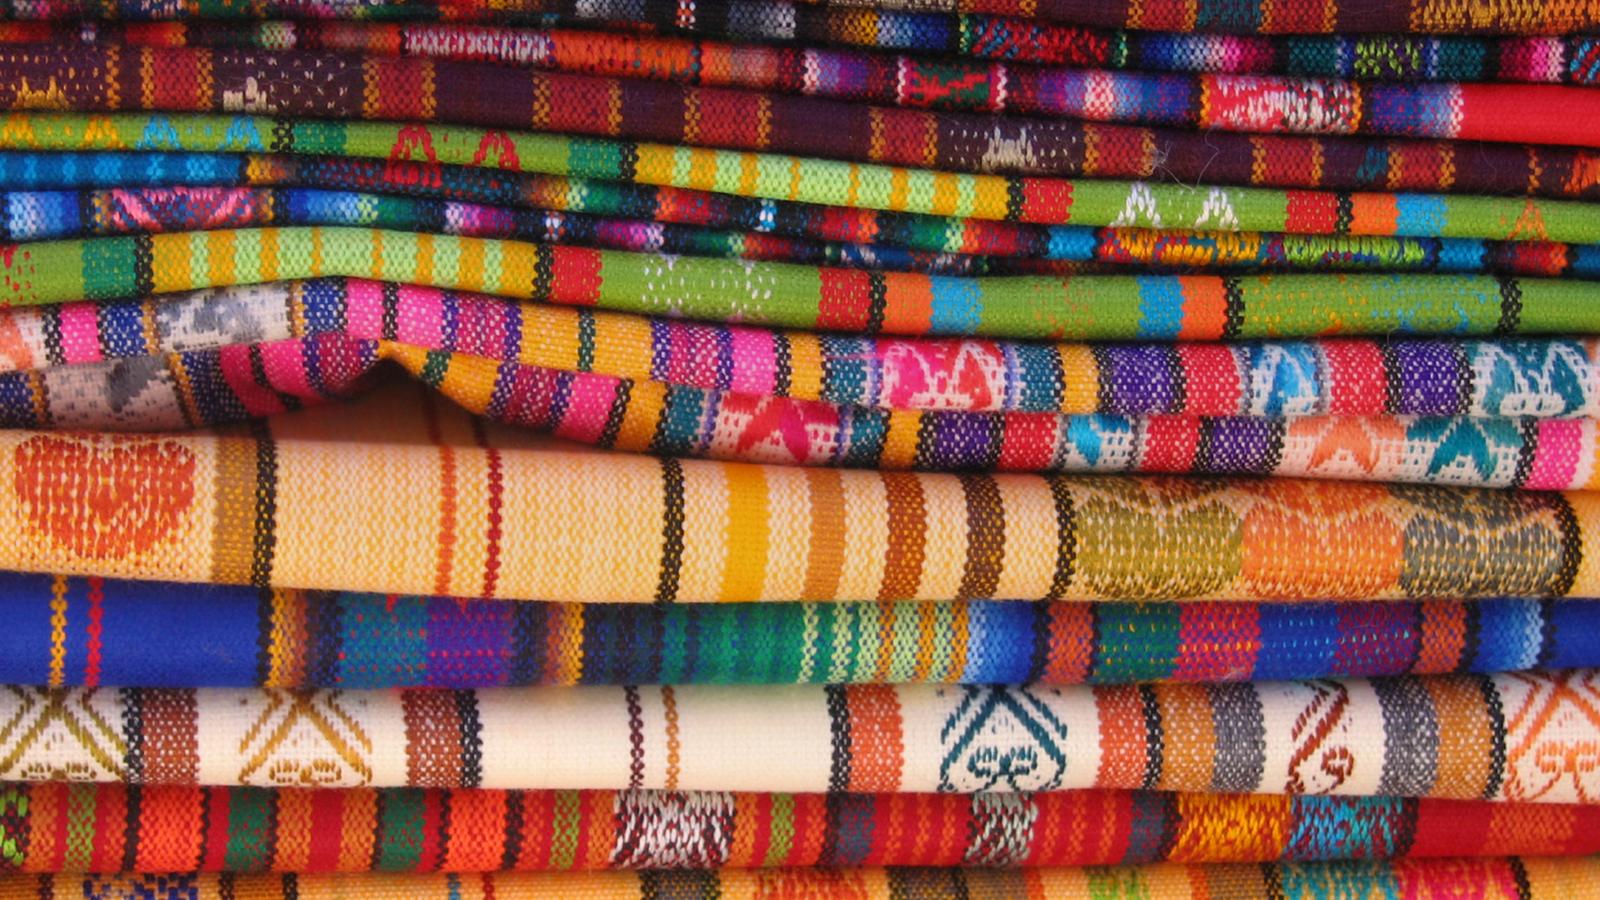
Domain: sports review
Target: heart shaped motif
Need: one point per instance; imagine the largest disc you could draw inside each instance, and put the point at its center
(104, 497)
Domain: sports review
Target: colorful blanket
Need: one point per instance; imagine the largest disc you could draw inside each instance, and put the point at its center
(180, 829)
(906, 246)
(313, 83)
(1514, 877)
(832, 182)
(492, 511)
(96, 631)
(1146, 307)
(1005, 45)
(1522, 737)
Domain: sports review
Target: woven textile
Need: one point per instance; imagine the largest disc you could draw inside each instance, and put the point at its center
(1493, 879)
(205, 387)
(484, 510)
(1268, 16)
(1096, 307)
(1525, 737)
(370, 86)
(1506, 378)
(38, 216)
(1001, 41)
(414, 830)
(33, 216)
(82, 165)
(831, 182)
(76, 631)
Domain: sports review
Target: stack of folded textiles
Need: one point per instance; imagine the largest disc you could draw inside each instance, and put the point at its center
(879, 449)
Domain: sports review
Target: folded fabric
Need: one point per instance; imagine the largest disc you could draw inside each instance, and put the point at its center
(1095, 307)
(1504, 378)
(1001, 42)
(484, 510)
(314, 83)
(241, 829)
(1524, 737)
(1265, 16)
(96, 631)
(230, 384)
(832, 182)
(61, 162)
(1497, 878)
(35, 215)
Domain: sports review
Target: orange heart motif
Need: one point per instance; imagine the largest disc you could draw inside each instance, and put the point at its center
(104, 497)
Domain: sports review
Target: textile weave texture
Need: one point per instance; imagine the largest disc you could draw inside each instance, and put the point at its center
(837, 183)
(485, 510)
(1521, 737)
(1556, 378)
(1513, 878)
(238, 381)
(95, 632)
(1093, 307)
(429, 830)
(1000, 42)
(313, 83)
(788, 233)
(1267, 16)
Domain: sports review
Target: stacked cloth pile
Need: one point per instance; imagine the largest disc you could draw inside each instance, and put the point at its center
(871, 449)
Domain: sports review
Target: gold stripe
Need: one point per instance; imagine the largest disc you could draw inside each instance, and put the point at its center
(234, 529)
(749, 532)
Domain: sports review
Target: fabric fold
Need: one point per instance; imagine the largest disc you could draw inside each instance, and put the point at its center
(321, 84)
(187, 830)
(104, 632)
(1093, 307)
(484, 510)
(1037, 200)
(1521, 737)
(1533, 878)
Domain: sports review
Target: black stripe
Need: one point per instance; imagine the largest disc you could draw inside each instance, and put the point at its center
(1344, 214)
(391, 310)
(1152, 739)
(132, 702)
(1571, 544)
(543, 273)
(1233, 308)
(513, 829)
(471, 738)
(264, 636)
(671, 530)
(1497, 730)
(144, 254)
(839, 725)
(266, 504)
(1066, 538)
(130, 845)
(1526, 453)
(1016, 198)
(1510, 306)
(784, 363)
(877, 300)
(1519, 873)
(619, 411)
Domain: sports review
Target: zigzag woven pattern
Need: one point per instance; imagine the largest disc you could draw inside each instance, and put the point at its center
(370, 86)
(837, 183)
(1266, 16)
(1510, 378)
(35, 216)
(1147, 307)
(1002, 42)
(94, 631)
(415, 830)
(1520, 737)
(226, 385)
(510, 516)
(1512, 878)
